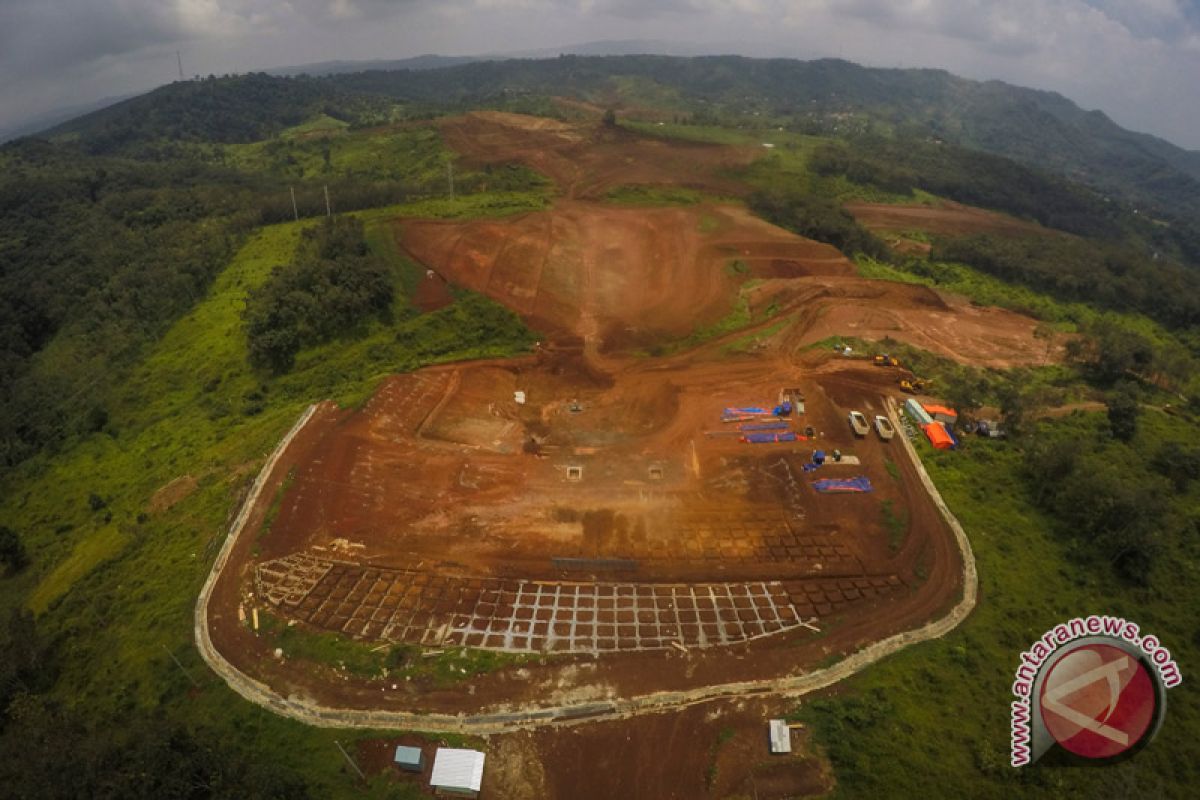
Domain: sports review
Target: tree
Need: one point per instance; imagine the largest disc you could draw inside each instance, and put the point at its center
(1050, 461)
(964, 390)
(1123, 411)
(1114, 353)
(610, 118)
(26, 666)
(1118, 514)
(138, 757)
(334, 286)
(1179, 464)
(1019, 404)
(12, 551)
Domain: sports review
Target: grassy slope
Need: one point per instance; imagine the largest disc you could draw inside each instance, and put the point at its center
(118, 590)
(118, 584)
(933, 721)
(987, 290)
(414, 155)
(784, 165)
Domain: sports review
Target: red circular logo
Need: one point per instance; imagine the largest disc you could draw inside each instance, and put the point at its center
(1097, 701)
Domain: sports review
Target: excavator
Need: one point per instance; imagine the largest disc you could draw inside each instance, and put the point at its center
(886, 360)
(914, 385)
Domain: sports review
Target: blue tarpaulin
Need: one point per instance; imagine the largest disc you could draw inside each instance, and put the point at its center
(860, 484)
(764, 426)
(746, 410)
(769, 438)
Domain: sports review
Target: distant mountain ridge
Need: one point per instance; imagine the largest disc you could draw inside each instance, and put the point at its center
(433, 61)
(417, 63)
(58, 116)
(1038, 128)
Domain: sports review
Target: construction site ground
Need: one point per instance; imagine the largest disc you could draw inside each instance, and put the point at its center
(713, 750)
(611, 527)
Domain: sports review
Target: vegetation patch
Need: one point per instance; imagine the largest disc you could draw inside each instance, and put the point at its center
(1035, 571)
(335, 283)
(114, 600)
(643, 195)
(430, 667)
(895, 523)
(817, 218)
(88, 553)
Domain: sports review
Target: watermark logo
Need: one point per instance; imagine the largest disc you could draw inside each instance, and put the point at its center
(1095, 687)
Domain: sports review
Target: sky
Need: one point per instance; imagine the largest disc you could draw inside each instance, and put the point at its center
(1136, 60)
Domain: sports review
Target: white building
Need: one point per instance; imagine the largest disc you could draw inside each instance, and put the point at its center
(457, 773)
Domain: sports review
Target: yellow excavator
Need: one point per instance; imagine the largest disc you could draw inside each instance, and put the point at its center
(913, 385)
(886, 361)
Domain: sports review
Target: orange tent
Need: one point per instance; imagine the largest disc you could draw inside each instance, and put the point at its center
(935, 411)
(938, 437)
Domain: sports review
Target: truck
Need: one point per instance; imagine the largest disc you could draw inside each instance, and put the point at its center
(858, 423)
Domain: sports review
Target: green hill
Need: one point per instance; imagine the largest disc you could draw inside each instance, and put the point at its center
(1037, 128)
(164, 318)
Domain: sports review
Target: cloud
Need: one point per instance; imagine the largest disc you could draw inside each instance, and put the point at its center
(1132, 58)
(39, 35)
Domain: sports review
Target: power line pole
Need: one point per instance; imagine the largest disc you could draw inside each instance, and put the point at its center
(328, 211)
(450, 177)
(179, 58)
(295, 210)
(349, 760)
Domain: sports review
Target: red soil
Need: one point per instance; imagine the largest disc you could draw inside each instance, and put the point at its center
(620, 274)
(586, 161)
(436, 475)
(946, 218)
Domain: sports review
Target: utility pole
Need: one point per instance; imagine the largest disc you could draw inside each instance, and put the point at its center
(181, 669)
(295, 210)
(349, 760)
(179, 58)
(328, 211)
(450, 177)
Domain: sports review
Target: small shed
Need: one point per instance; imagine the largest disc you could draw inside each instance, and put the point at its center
(409, 759)
(942, 414)
(917, 412)
(457, 773)
(781, 736)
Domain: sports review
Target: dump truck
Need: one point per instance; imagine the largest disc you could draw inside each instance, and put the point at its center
(883, 427)
(858, 423)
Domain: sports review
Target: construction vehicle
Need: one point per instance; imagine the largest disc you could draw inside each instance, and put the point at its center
(886, 360)
(914, 385)
(858, 423)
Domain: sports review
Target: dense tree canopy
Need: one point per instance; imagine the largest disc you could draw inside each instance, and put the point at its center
(817, 218)
(333, 285)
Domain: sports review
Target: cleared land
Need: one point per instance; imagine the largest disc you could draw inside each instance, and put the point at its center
(585, 161)
(947, 218)
(612, 520)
